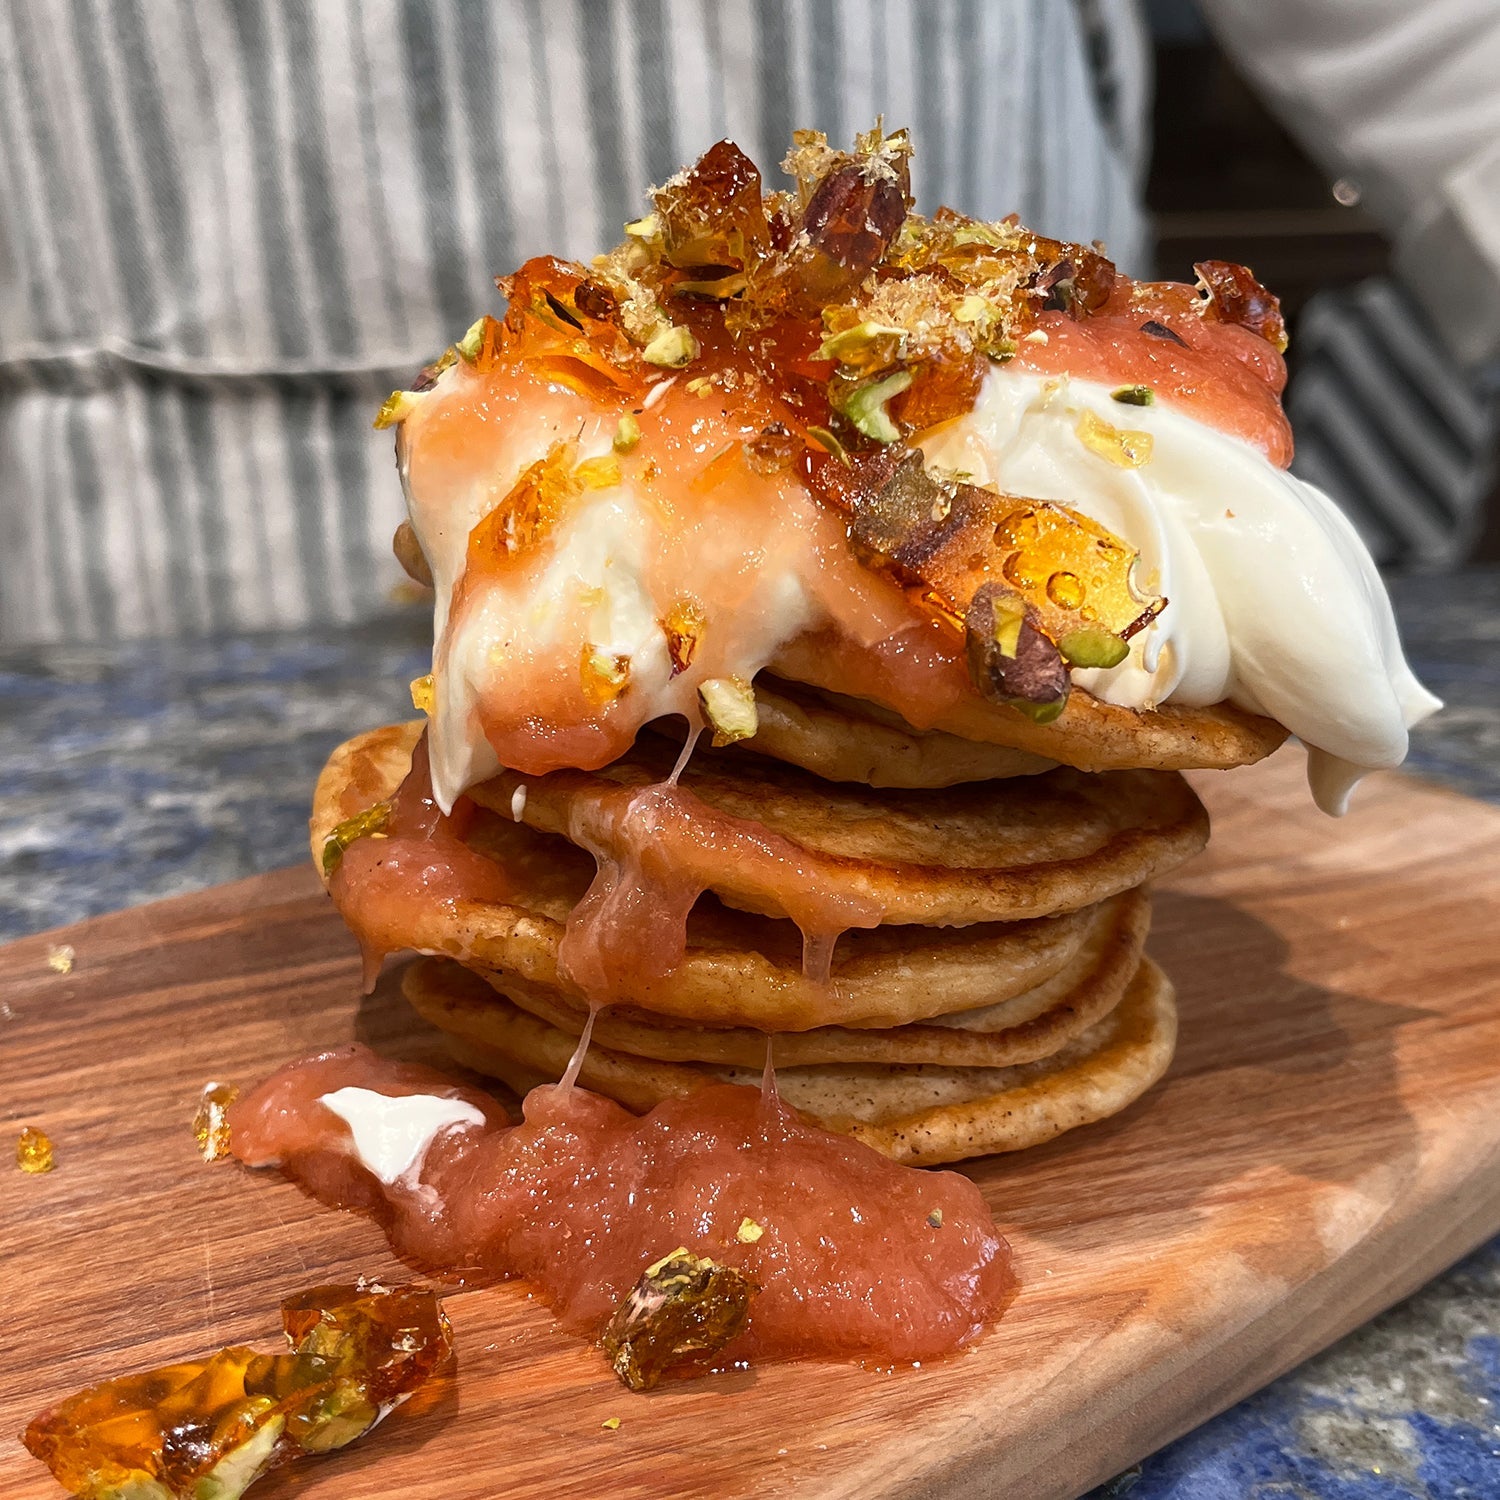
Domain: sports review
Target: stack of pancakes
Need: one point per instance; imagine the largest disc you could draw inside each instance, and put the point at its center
(1004, 997)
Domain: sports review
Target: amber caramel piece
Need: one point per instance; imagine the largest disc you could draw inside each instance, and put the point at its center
(683, 1308)
(207, 1429)
(34, 1150)
(531, 508)
(211, 1123)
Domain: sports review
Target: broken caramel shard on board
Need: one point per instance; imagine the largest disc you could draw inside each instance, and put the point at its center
(207, 1429)
(683, 1307)
(211, 1123)
(34, 1150)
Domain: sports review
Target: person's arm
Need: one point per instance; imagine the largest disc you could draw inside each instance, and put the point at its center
(1403, 98)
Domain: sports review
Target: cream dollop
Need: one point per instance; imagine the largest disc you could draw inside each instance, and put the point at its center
(1273, 600)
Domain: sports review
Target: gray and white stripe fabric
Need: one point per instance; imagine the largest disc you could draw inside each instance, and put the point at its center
(229, 227)
(1389, 426)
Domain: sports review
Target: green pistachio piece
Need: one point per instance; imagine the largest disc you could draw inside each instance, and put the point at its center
(829, 444)
(728, 704)
(627, 434)
(1093, 646)
(361, 825)
(857, 340)
(865, 406)
(672, 348)
(469, 345)
(396, 408)
(1134, 395)
(1010, 615)
(241, 1467)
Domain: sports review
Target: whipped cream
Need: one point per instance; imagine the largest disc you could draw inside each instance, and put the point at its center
(1273, 601)
(393, 1133)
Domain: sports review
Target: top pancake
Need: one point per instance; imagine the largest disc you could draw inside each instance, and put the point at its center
(1089, 733)
(992, 851)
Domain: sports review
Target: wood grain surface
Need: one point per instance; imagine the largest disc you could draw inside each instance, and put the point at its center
(1328, 1138)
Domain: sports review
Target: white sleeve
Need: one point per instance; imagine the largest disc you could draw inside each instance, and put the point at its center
(1403, 98)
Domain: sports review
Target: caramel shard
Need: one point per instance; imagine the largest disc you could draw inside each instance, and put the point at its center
(207, 1429)
(683, 627)
(34, 1150)
(527, 515)
(683, 1308)
(602, 675)
(361, 825)
(211, 1123)
(1119, 446)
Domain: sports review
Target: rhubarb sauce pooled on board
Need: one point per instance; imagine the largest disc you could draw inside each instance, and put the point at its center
(849, 1254)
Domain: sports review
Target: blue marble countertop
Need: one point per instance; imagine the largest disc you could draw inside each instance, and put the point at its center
(136, 771)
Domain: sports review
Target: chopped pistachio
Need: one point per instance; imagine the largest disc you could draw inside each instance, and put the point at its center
(855, 344)
(1134, 395)
(602, 473)
(672, 348)
(396, 408)
(424, 695)
(1010, 614)
(829, 444)
(611, 1424)
(647, 228)
(699, 385)
(748, 1232)
(627, 434)
(729, 706)
(683, 1308)
(361, 825)
(470, 344)
(972, 309)
(935, 1218)
(242, 1466)
(1124, 449)
(1093, 646)
(865, 406)
(1036, 336)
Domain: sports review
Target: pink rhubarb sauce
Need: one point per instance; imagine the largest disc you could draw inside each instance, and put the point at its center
(858, 1257)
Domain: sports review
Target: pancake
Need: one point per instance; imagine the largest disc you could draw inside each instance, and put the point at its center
(920, 1115)
(840, 739)
(740, 970)
(992, 852)
(1089, 733)
(1031, 1026)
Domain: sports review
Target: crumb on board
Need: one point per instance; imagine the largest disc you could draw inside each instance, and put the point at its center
(60, 958)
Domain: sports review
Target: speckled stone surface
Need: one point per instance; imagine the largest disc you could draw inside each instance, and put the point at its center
(138, 771)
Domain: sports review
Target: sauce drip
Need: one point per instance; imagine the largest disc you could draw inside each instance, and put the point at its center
(658, 848)
(857, 1258)
(420, 854)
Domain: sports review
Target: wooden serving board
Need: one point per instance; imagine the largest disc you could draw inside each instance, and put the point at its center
(1328, 1138)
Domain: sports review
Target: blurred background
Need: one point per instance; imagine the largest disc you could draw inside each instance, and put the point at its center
(227, 230)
